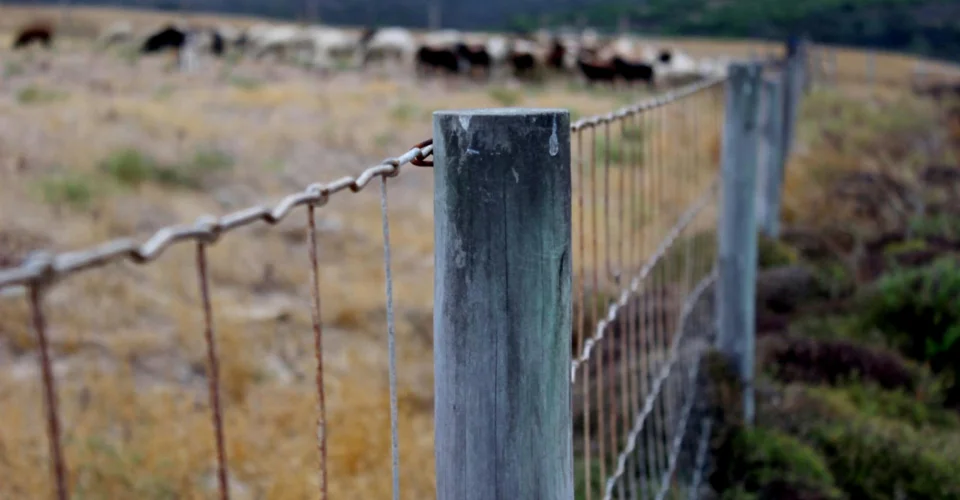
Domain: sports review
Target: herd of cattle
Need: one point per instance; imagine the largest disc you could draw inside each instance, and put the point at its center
(621, 58)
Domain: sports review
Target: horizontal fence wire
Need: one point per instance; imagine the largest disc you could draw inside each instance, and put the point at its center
(645, 206)
(207, 229)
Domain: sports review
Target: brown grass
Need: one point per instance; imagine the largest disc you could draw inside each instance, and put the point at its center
(127, 340)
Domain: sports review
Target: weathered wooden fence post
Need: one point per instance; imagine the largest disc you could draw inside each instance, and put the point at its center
(773, 161)
(502, 304)
(736, 288)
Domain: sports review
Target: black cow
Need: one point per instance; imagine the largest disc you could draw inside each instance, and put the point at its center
(633, 71)
(557, 53)
(37, 32)
(217, 45)
(523, 63)
(445, 60)
(477, 57)
(595, 72)
(167, 38)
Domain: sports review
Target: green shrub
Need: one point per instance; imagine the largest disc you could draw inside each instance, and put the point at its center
(920, 410)
(876, 459)
(132, 168)
(33, 94)
(751, 459)
(72, 190)
(774, 253)
(505, 97)
(918, 312)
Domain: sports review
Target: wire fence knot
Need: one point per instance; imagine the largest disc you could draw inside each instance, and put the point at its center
(420, 160)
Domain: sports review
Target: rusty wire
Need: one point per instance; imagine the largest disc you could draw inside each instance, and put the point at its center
(49, 393)
(318, 348)
(214, 366)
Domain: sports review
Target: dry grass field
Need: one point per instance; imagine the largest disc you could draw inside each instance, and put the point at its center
(100, 145)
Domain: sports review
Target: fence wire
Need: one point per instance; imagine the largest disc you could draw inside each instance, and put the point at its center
(41, 271)
(646, 194)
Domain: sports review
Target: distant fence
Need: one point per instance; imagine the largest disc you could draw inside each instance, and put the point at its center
(582, 270)
(832, 65)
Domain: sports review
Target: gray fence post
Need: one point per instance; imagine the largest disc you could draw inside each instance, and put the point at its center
(502, 304)
(736, 289)
(793, 76)
(773, 161)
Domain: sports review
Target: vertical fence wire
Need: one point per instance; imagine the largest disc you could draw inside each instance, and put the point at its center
(213, 364)
(391, 343)
(650, 193)
(318, 349)
(57, 461)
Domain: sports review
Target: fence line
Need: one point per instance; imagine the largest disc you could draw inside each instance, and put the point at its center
(652, 266)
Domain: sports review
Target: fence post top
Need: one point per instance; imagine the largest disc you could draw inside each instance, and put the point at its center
(501, 112)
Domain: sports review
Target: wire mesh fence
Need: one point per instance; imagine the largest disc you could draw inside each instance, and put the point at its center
(42, 271)
(645, 189)
(646, 201)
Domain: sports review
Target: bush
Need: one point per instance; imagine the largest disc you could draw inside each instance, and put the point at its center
(774, 253)
(876, 459)
(920, 410)
(751, 461)
(918, 312)
(33, 94)
(835, 362)
(132, 168)
(505, 97)
(74, 191)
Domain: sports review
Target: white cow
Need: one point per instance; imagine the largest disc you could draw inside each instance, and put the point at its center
(391, 43)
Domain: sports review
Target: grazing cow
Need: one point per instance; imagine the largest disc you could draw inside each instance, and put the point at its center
(218, 45)
(476, 57)
(388, 43)
(595, 72)
(167, 38)
(118, 32)
(557, 55)
(523, 63)
(445, 60)
(36, 32)
(634, 71)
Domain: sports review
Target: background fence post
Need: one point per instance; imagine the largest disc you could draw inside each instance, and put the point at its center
(502, 304)
(773, 161)
(736, 289)
(793, 76)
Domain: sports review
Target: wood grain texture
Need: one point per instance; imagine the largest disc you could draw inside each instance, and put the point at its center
(502, 309)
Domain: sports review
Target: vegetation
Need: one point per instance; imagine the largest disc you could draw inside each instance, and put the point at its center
(902, 25)
(132, 168)
(860, 402)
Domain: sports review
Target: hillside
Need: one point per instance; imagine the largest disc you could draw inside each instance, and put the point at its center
(929, 27)
(925, 27)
